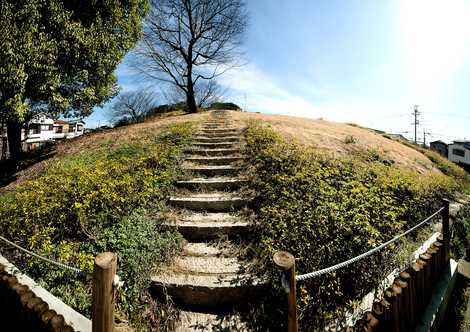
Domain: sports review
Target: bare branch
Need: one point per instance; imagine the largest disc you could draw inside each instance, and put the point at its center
(133, 106)
(186, 42)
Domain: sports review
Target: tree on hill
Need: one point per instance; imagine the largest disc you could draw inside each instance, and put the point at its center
(60, 56)
(188, 43)
(134, 106)
(205, 93)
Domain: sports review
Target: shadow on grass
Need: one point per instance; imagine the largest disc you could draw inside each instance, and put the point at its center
(9, 169)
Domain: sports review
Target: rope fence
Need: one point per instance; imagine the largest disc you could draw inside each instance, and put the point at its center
(366, 254)
(286, 264)
(105, 283)
(45, 259)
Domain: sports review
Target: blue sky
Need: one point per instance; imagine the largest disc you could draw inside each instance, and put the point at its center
(362, 61)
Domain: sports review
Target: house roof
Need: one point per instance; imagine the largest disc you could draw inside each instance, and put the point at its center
(438, 142)
(60, 122)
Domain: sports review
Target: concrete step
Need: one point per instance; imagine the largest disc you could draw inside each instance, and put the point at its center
(215, 183)
(209, 265)
(217, 134)
(205, 139)
(214, 145)
(213, 170)
(220, 130)
(207, 282)
(197, 322)
(214, 202)
(218, 120)
(217, 125)
(213, 152)
(208, 226)
(217, 160)
(202, 249)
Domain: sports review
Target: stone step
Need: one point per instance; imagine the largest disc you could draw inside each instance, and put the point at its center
(208, 226)
(190, 321)
(205, 139)
(217, 125)
(215, 183)
(220, 130)
(217, 160)
(207, 290)
(202, 249)
(213, 152)
(218, 134)
(214, 145)
(219, 120)
(209, 265)
(214, 202)
(213, 170)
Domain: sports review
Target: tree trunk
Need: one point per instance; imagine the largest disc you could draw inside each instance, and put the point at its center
(190, 98)
(191, 102)
(14, 140)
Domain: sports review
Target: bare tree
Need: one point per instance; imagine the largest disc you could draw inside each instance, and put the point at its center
(205, 93)
(134, 105)
(187, 42)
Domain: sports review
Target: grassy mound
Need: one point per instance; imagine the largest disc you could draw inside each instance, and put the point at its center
(325, 208)
(94, 201)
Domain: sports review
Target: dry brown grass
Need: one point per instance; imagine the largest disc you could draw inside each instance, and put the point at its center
(107, 139)
(340, 138)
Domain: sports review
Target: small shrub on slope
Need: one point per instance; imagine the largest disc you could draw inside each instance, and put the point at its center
(326, 209)
(90, 202)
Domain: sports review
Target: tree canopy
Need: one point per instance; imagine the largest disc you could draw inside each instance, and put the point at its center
(60, 55)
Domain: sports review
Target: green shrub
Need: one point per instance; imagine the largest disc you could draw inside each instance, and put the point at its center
(460, 244)
(443, 164)
(326, 209)
(141, 246)
(91, 202)
(224, 106)
(350, 139)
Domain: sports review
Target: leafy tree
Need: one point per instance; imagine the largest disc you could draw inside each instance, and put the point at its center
(60, 56)
(189, 42)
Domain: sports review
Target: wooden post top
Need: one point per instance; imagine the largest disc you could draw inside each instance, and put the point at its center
(105, 260)
(284, 260)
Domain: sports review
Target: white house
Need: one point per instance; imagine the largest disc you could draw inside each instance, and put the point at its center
(459, 153)
(43, 129)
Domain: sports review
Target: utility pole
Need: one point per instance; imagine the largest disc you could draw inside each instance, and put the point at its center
(416, 113)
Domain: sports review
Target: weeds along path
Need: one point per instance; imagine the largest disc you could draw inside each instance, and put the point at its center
(211, 281)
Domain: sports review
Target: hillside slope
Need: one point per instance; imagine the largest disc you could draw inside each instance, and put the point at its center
(108, 191)
(338, 138)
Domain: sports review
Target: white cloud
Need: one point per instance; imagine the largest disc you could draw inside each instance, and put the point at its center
(261, 93)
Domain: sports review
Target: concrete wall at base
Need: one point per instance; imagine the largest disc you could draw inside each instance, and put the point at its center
(72, 318)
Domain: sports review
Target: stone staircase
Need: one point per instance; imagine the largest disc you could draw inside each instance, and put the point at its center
(208, 280)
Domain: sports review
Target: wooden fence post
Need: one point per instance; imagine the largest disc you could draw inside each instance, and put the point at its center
(286, 262)
(103, 292)
(446, 231)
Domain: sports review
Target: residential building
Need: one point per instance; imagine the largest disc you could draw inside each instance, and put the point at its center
(459, 153)
(440, 147)
(43, 129)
